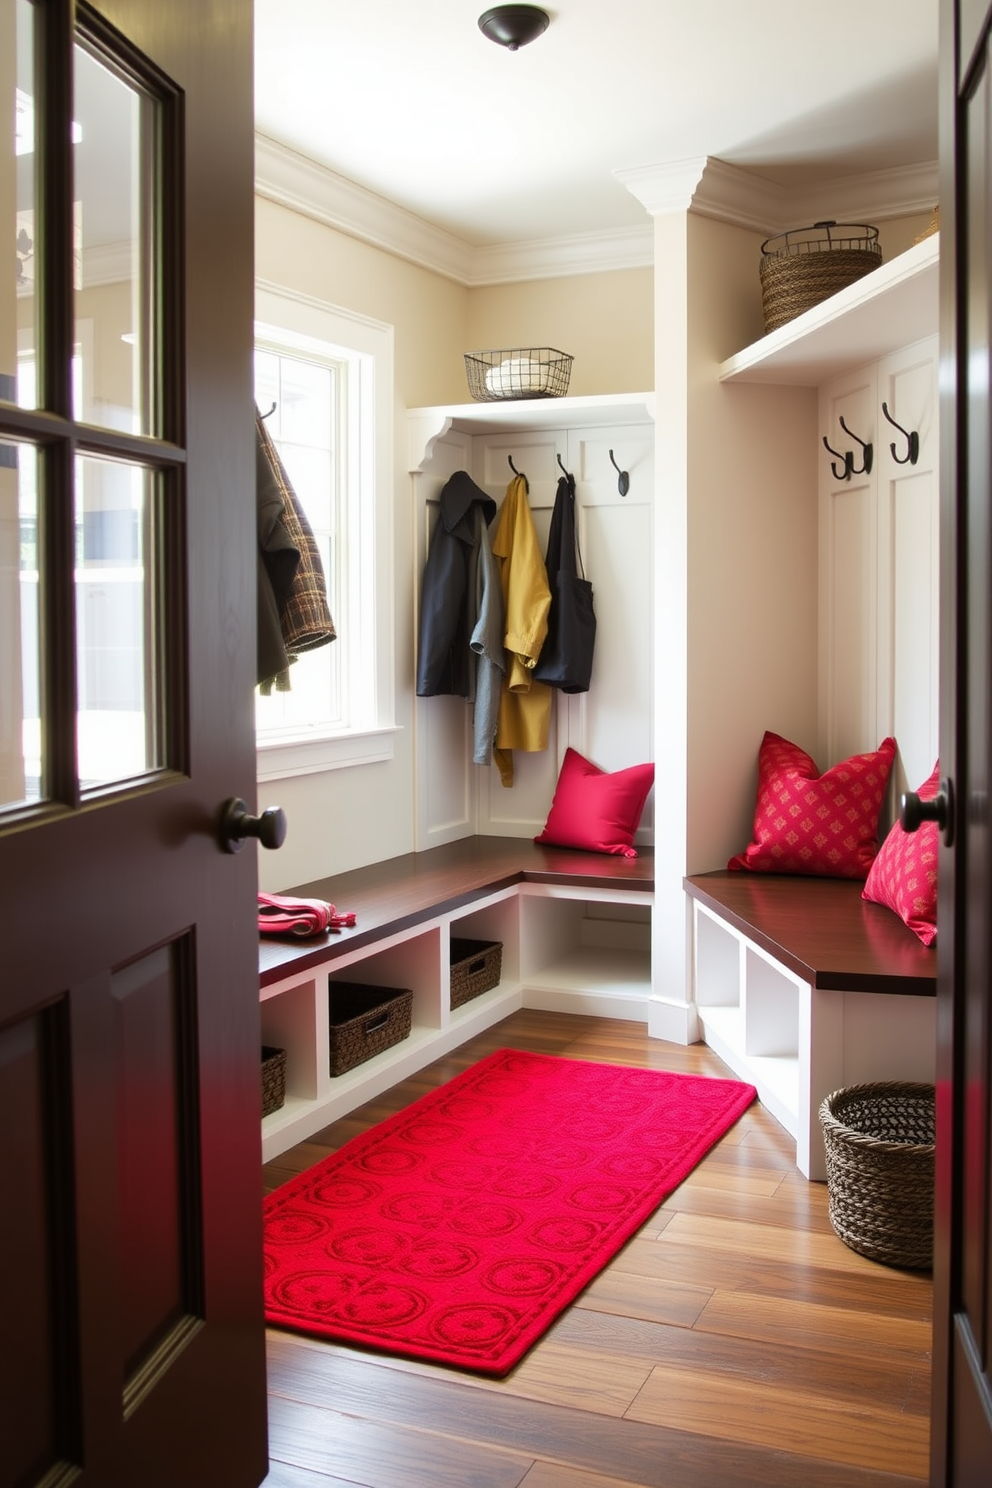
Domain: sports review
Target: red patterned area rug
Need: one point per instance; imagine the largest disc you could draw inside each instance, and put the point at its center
(458, 1230)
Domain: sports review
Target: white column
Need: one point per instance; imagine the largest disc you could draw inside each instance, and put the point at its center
(666, 191)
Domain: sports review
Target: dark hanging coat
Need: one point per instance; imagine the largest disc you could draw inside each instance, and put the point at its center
(448, 610)
(293, 614)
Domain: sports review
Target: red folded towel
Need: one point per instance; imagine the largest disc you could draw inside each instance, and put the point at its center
(279, 914)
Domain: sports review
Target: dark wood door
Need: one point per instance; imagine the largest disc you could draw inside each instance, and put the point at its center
(132, 1340)
(962, 1414)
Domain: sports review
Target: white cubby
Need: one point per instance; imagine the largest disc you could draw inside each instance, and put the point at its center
(571, 950)
(796, 1042)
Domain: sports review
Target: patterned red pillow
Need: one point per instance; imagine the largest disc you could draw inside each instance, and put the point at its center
(804, 822)
(904, 875)
(594, 810)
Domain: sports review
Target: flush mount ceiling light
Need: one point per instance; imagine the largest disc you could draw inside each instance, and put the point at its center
(513, 26)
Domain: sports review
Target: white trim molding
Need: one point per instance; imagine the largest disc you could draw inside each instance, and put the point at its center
(667, 187)
(713, 188)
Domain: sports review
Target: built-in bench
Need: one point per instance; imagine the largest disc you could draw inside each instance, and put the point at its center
(802, 986)
(575, 933)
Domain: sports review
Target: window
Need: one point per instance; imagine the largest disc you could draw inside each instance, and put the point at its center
(326, 376)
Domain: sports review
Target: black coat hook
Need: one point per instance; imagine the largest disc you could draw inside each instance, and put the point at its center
(623, 484)
(568, 473)
(847, 457)
(913, 453)
(509, 461)
(868, 455)
(270, 412)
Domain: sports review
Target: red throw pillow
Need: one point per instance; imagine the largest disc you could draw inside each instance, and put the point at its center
(804, 822)
(904, 875)
(595, 810)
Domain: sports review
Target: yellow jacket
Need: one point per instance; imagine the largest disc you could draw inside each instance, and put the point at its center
(524, 705)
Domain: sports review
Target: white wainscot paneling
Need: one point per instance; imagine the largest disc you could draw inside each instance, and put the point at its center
(879, 562)
(611, 724)
(909, 611)
(444, 788)
(848, 564)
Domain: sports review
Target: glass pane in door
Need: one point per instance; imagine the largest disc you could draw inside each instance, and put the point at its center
(17, 204)
(118, 678)
(20, 655)
(114, 153)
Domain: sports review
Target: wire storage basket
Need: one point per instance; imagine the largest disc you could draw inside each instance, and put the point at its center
(806, 265)
(517, 372)
(879, 1142)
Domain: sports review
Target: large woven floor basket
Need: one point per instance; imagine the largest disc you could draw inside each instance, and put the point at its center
(807, 265)
(879, 1142)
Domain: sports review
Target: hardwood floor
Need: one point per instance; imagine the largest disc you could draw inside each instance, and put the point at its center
(734, 1341)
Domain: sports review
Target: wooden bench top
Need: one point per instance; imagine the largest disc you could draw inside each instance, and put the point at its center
(821, 929)
(402, 892)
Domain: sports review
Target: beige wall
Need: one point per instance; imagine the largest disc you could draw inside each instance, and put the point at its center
(604, 321)
(428, 312)
(735, 513)
(344, 818)
(752, 551)
(348, 817)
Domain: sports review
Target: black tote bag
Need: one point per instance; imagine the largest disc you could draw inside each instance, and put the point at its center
(566, 656)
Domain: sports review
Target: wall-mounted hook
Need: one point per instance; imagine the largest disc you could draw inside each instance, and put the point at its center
(913, 453)
(847, 457)
(623, 483)
(868, 455)
(509, 461)
(565, 472)
(270, 412)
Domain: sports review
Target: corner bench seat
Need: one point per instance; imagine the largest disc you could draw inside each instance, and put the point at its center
(400, 893)
(564, 949)
(802, 986)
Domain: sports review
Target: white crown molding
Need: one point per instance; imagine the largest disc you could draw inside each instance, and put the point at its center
(713, 188)
(732, 194)
(738, 196)
(872, 197)
(109, 263)
(667, 187)
(292, 180)
(555, 258)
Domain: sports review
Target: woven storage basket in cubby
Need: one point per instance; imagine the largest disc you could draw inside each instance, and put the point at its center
(879, 1142)
(273, 1079)
(517, 372)
(365, 1020)
(475, 968)
(806, 265)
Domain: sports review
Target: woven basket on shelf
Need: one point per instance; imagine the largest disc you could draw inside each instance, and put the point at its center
(364, 1020)
(476, 966)
(806, 265)
(517, 372)
(879, 1142)
(273, 1079)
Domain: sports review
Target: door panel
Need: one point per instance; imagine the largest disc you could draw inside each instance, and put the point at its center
(962, 1401)
(129, 1021)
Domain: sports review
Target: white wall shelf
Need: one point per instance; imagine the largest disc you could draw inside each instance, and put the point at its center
(895, 305)
(426, 425)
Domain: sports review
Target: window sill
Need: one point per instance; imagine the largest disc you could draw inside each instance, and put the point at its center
(280, 761)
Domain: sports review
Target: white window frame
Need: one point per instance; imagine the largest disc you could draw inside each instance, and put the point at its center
(287, 320)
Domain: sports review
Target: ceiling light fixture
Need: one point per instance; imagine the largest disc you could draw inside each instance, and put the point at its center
(513, 26)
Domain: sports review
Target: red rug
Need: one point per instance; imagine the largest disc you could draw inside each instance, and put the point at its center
(457, 1230)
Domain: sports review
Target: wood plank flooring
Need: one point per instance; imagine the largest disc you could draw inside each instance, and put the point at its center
(735, 1342)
